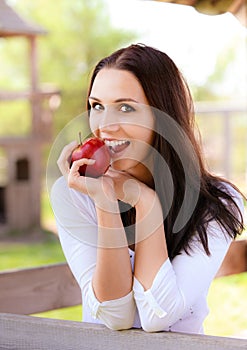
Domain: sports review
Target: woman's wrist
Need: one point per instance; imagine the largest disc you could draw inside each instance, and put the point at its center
(103, 194)
(147, 196)
(111, 233)
(109, 205)
(149, 215)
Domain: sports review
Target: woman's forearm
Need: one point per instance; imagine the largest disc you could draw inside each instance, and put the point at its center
(112, 278)
(113, 274)
(150, 248)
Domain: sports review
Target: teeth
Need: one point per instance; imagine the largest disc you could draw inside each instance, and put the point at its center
(115, 143)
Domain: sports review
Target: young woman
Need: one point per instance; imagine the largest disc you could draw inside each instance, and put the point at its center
(146, 239)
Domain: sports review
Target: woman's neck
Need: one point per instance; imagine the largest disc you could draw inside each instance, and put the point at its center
(143, 174)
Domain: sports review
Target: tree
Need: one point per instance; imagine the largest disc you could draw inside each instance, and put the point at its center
(79, 34)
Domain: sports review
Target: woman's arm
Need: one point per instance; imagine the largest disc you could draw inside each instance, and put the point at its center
(78, 232)
(150, 248)
(150, 242)
(164, 299)
(112, 275)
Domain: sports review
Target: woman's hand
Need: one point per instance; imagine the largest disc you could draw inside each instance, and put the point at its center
(101, 189)
(127, 188)
(106, 189)
(64, 159)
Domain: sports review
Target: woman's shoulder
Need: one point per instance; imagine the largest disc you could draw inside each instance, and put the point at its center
(60, 192)
(59, 195)
(59, 187)
(75, 215)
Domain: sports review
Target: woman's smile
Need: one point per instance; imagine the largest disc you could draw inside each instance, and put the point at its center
(116, 147)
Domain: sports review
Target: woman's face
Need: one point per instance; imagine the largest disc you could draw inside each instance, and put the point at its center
(121, 116)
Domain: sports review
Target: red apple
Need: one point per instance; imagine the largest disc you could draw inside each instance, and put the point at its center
(92, 148)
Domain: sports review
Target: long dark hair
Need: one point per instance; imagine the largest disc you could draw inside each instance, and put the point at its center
(167, 91)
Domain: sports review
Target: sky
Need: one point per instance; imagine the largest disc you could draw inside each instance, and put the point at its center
(193, 40)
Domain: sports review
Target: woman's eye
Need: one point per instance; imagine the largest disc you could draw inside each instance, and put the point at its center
(97, 106)
(126, 108)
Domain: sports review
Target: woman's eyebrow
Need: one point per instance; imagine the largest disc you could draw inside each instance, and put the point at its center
(123, 99)
(94, 98)
(126, 99)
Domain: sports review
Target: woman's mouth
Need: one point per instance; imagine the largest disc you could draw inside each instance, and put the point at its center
(116, 146)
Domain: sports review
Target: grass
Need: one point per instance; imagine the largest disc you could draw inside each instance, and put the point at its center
(228, 304)
(20, 255)
(73, 313)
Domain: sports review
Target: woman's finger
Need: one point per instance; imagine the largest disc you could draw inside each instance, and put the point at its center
(78, 163)
(63, 161)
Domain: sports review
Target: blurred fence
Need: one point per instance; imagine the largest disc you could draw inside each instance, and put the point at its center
(223, 127)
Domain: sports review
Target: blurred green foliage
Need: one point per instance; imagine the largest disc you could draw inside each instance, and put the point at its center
(79, 33)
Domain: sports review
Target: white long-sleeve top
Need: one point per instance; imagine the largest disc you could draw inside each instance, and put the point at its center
(176, 300)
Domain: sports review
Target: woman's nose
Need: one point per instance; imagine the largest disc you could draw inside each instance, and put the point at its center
(109, 126)
(108, 122)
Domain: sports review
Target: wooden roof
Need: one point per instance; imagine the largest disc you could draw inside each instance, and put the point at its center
(216, 7)
(12, 24)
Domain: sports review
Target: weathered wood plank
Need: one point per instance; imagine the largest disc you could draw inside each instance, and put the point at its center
(38, 289)
(29, 333)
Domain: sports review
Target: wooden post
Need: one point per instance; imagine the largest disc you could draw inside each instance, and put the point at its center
(227, 156)
(33, 63)
(36, 153)
(34, 100)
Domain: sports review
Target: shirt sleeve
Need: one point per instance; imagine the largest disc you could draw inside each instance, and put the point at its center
(77, 229)
(180, 283)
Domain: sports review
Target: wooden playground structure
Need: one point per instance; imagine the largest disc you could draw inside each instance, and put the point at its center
(20, 191)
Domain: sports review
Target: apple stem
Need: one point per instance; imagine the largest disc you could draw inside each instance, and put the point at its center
(80, 138)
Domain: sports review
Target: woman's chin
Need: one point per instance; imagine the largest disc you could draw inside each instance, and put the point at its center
(123, 164)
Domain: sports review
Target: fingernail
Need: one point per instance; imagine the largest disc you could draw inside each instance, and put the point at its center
(91, 161)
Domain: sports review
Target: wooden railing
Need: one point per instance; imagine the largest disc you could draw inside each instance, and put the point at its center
(39, 289)
(34, 333)
(28, 291)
